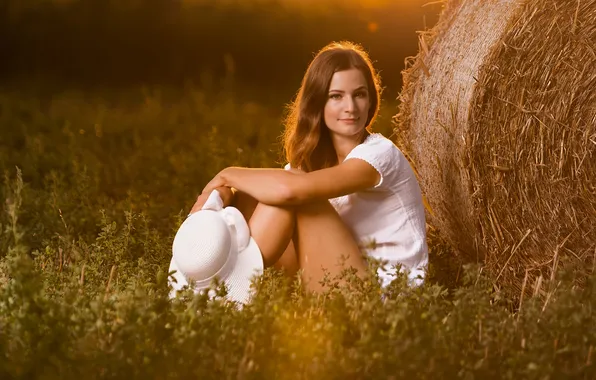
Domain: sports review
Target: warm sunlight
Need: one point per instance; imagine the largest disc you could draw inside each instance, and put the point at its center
(297, 189)
(300, 4)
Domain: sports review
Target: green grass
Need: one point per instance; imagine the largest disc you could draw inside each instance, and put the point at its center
(95, 186)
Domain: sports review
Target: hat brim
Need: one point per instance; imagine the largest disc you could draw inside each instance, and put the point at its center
(249, 263)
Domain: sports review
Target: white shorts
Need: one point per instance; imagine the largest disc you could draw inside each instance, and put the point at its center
(414, 265)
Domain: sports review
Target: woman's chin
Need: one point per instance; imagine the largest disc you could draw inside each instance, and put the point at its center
(348, 131)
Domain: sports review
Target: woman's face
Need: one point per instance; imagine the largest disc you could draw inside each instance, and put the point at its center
(346, 110)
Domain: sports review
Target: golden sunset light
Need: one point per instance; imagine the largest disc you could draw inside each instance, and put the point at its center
(297, 189)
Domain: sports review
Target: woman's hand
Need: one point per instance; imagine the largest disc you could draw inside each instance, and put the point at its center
(226, 194)
(217, 182)
(201, 199)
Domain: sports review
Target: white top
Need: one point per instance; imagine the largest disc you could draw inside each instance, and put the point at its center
(388, 219)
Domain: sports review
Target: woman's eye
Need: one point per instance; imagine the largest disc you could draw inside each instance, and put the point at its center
(335, 96)
(361, 94)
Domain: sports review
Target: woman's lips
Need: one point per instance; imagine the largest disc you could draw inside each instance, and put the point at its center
(349, 121)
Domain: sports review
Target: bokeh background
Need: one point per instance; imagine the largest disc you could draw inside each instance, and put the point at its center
(113, 116)
(265, 44)
(122, 110)
(111, 108)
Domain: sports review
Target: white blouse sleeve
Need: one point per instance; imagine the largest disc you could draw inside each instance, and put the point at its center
(381, 154)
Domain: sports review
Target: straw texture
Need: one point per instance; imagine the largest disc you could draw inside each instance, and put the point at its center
(498, 115)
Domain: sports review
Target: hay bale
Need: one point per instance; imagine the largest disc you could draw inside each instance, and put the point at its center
(498, 116)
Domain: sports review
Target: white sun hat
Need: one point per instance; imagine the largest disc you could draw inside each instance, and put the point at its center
(215, 242)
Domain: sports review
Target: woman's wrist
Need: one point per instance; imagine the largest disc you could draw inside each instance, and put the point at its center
(227, 176)
(226, 192)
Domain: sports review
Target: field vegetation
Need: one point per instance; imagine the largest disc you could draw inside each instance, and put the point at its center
(94, 188)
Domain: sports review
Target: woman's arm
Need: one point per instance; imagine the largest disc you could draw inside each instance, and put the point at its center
(283, 187)
(268, 186)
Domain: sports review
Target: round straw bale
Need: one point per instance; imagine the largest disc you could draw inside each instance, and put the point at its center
(498, 116)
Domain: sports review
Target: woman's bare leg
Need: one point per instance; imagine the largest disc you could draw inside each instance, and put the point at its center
(288, 262)
(245, 204)
(272, 228)
(324, 243)
(320, 241)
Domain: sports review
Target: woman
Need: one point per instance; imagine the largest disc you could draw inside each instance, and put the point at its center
(346, 192)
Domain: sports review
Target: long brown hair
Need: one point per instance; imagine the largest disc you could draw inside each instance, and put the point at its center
(306, 140)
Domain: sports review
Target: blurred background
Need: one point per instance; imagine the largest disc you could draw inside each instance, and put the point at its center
(126, 107)
(263, 44)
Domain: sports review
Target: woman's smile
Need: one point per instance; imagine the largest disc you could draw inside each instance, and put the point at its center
(350, 121)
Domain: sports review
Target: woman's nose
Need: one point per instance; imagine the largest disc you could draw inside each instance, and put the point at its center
(350, 105)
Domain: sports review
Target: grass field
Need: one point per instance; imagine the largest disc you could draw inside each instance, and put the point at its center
(94, 189)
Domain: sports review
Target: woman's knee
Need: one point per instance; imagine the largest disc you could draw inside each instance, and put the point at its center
(315, 207)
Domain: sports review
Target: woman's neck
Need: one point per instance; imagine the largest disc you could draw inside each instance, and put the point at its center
(343, 145)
